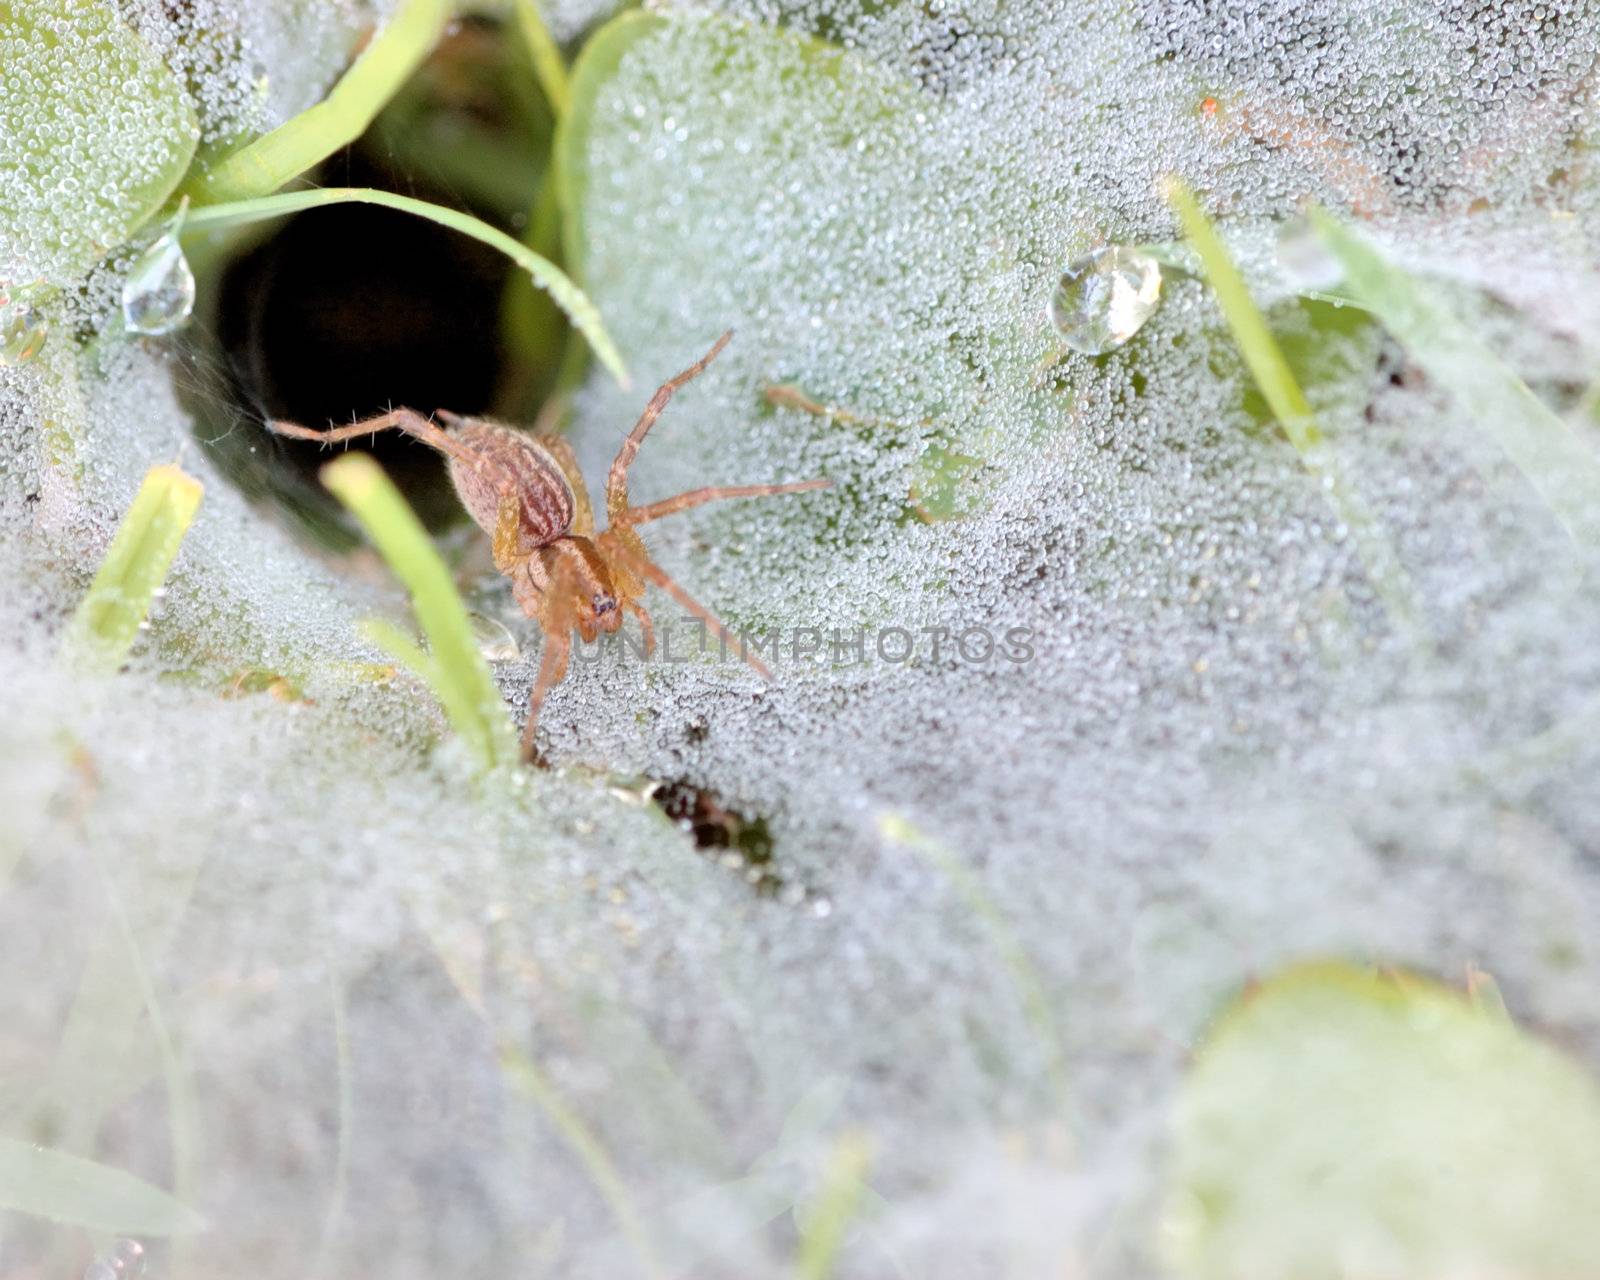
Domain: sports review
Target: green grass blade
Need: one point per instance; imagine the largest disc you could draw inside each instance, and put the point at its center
(399, 646)
(1024, 977)
(1278, 386)
(107, 621)
(66, 1188)
(584, 315)
(1558, 464)
(837, 1203)
(455, 669)
(548, 64)
(179, 1085)
(528, 1078)
(297, 145)
(1256, 343)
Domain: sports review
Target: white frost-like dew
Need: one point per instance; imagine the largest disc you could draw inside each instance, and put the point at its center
(1217, 755)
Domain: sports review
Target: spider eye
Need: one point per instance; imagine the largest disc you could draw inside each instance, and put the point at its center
(604, 604)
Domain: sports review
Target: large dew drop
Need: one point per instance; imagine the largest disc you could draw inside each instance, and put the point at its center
(1104, 298)
(158, 295)
(494, 638)
(23, 327)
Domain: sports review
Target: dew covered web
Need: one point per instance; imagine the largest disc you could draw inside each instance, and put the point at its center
(1008, 890)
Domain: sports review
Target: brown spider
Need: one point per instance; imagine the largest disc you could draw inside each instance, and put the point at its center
(527, 494)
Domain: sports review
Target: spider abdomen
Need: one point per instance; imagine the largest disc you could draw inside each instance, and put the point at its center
(510, 462)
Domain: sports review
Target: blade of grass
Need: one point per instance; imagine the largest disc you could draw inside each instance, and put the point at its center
(402, 649)
(1277, 384)
(548, 63)
(530, 325)
(529, 1079)
(530, 322)
(838, 1201)
(455, 669)
(1036, 1004)
(584, 315)
(345, 1091)
(297, 145)
(1256, 343)
(65, 1188)
(107, 621)
(1558, 464)
(178, 1083)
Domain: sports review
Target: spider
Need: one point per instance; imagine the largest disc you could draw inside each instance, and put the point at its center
(527, 494)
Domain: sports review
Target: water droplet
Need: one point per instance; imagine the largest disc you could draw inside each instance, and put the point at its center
(1104, 298)
(100, 1269)
(158, 295)
(494, 638)
(23, 327)
(1305, 259)
(127, 1256)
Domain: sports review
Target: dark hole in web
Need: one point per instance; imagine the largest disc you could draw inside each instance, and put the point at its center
(349, 310)
(740, 841)
(344, 311)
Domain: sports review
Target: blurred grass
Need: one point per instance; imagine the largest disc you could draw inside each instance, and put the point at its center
(1562, 469)
(525, 1075)
(103, 629)
(545, 356)
(838, 1201)
(1024, 977)
(548, 64)
(66, 1188)
(454, 669)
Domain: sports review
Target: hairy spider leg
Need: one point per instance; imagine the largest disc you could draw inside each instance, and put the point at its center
(714, 493)
(407, 420)
(556, 621)
(617, 477)
(641, 564)
(645, 624)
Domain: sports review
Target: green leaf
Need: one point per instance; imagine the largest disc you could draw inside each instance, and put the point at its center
(74, 81)
(1561, 467)
(1340, 1123)
(601, 56)
(107, 621)
(455, 670)
(584, 315)
(760, 62)
(65, 1188)
(297, 145)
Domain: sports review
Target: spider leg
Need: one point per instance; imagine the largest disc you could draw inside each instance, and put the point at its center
(648, 569)
(617, 477)
(696, 497)
(552, 667)
(509, 550)
(407, 420)
(555, 620)
(645, 624)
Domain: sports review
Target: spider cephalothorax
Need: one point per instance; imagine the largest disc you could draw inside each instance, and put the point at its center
(527, 494)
